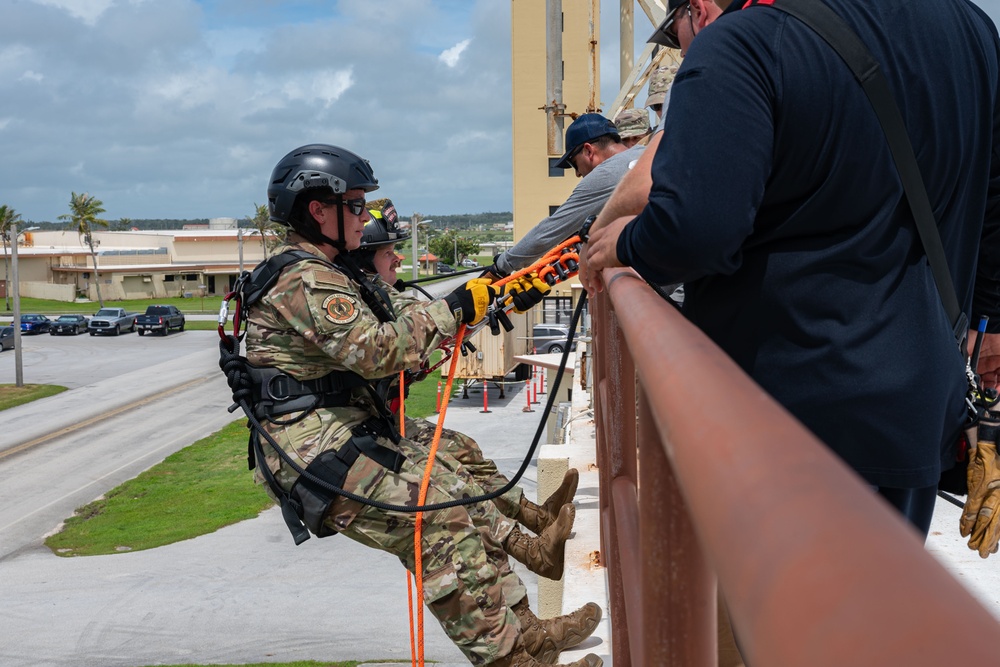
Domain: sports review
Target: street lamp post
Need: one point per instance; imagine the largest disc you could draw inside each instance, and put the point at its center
(239, 237)
(239, 240)
(18, 364)
(414, 224)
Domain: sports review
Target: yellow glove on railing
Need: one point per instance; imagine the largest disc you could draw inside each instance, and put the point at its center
(470, 301)
(527, 291)
(981, 516)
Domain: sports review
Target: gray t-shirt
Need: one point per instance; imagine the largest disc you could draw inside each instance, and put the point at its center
(663, 111)
(588, 198)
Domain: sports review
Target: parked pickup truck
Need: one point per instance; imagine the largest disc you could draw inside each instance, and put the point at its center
(111, 321)
(160, 318)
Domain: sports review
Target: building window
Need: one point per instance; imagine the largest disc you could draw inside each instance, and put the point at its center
(554, 171)
(191, 276)
(553, 209)
(168, 279)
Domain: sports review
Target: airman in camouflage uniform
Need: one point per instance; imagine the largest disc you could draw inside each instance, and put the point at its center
(315, 320)
(633, 126)
(456, 451)
(659, 87)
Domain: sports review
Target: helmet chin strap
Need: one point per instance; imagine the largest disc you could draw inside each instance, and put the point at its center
(341, 244)
(320, 238)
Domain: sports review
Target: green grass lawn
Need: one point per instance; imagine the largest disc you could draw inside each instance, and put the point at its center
(195, 491)
(12, 396)
(210, 304)
(306, 663)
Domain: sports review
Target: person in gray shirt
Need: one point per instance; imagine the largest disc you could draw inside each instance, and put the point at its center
(595, 151)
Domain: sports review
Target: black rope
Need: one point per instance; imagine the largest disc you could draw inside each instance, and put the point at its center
(234, 367)
(441, 276)
(951, 499)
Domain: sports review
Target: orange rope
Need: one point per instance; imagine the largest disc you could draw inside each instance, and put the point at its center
(548, 258)
(417, 655)
(409, 603)
(417, 549)
(402, 404)
(409, 575)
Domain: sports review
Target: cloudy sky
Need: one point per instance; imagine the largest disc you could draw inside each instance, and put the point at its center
(180, 108)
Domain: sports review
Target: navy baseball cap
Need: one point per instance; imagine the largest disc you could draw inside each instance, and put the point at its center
(663, 35)
(585, 129)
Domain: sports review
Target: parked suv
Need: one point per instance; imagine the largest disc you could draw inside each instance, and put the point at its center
(470, 263)
(551, 338)
(445, 268)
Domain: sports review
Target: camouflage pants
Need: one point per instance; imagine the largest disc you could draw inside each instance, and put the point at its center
(463, 449)
(468, 583)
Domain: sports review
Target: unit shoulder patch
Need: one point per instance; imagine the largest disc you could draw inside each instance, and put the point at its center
(341, 308)
(324, 278)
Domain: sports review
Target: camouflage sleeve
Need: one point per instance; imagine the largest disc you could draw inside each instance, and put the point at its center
(334, 317)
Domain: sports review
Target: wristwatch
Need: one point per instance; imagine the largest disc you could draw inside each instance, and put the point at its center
(585, 230)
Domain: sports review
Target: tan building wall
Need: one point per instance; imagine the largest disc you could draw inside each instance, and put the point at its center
(132, 265)
(535, 191)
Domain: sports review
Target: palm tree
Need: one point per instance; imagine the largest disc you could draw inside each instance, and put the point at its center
(272, 234)
(84, 210)
(8, 218)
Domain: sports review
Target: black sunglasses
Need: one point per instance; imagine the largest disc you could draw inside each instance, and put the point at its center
(666, 33)
(355, 206)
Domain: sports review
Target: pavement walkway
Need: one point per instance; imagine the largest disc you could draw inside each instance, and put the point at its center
(243, 594)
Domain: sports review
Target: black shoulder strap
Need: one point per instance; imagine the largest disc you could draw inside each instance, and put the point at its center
(376, 297)
(835, 32)
(266, 274)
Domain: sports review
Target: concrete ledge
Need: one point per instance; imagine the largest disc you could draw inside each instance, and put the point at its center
(584, 579)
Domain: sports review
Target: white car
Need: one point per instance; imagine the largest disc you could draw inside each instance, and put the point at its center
(470, 263)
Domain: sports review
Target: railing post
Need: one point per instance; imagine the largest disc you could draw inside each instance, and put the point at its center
(609, 421)
(679, 610)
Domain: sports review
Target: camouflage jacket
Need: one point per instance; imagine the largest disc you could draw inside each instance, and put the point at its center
(314, 321)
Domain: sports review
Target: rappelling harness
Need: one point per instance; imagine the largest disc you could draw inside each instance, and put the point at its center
(275, 394)
(271, 394)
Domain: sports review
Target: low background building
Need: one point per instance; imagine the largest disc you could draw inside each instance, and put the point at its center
(134, 264)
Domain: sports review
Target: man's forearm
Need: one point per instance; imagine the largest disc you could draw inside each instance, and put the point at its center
(632, 193)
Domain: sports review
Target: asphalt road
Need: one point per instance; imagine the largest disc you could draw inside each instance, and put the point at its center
(243, 594)
(75, 361)
(132, 401)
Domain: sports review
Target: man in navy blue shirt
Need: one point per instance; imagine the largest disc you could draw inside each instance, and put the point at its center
(803, 262)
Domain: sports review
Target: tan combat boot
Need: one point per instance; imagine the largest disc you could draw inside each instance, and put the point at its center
(544, 555)
(537, 518)
(546, 639)
(519, 657)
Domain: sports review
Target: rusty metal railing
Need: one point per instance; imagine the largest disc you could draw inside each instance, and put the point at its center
(705, 478)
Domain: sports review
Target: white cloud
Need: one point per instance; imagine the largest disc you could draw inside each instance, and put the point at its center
(178, 109)
(323, 87)
(450, 57)
(86, 10)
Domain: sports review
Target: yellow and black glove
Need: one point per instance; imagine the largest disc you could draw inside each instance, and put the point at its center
(470, 301)
(981, 516)
(527, 291)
